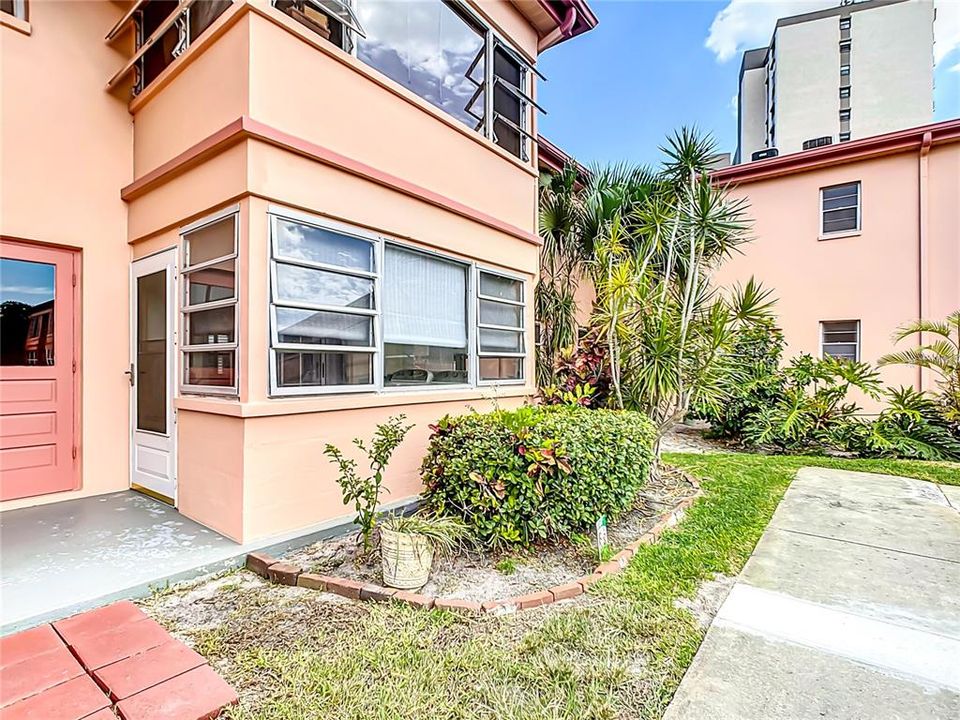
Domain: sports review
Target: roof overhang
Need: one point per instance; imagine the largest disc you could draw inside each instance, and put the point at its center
(909, 140)
(557, 20)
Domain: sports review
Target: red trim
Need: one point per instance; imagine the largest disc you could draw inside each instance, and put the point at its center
(879, 145)
(573, 17)
(244, 128)
(553, 159)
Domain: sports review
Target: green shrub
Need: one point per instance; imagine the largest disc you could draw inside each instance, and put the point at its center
(536, 473)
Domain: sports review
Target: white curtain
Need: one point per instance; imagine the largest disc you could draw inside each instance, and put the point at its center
(424, 300)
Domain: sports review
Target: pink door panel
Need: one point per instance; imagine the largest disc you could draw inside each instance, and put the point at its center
(37, 371)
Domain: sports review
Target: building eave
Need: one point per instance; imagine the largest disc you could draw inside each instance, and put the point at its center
(888, 144)
(571, 18)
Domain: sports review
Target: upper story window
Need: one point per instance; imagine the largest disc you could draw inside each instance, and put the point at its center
(840, 209)
(840, 339)
(439, 50)
(17, 8)
(209, 305)
(351, 311)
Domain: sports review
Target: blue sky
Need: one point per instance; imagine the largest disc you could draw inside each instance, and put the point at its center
(26, 282)
(646, 69)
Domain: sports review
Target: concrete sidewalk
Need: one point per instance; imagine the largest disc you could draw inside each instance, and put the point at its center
(848, 608)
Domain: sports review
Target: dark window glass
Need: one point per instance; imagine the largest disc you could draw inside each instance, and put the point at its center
(211, 327)
(166, 49)
(212, 241)
(209, 368)
(318, 369)
(508, 109)
(841, 207)
(26, 312)
(151, 380)
(17, 9)
(840, 339)
(430, 48)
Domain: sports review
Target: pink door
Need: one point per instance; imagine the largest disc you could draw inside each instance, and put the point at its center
(37, 371)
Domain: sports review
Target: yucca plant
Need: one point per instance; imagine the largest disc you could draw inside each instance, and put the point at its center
(941, 355)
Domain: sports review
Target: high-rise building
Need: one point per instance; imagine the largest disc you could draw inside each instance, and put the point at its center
(848, 72)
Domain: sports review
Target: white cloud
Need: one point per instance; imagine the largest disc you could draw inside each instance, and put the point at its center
(745, 24)
(735, 105)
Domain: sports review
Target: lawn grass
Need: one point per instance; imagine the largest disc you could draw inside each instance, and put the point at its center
(618, 653)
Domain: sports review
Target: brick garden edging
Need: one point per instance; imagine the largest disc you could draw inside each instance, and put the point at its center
(283, 573)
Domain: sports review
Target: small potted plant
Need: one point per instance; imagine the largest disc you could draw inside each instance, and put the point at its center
(408, 544)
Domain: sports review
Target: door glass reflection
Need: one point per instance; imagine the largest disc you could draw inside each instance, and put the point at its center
(26, 312)
(151, 379)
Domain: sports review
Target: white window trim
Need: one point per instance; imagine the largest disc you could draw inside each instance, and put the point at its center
(20, 10)
(822, 338)
(184, 310)
(380, 242)
(842, 233)
(522, 329)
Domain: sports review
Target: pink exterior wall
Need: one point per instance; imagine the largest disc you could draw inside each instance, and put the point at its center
(66, 152)
(874, 275)
(253, 466)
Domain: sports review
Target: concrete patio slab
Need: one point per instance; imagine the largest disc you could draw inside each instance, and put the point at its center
(63, 558)
(848, 608)
(952, 493)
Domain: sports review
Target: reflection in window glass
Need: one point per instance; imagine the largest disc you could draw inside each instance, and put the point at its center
(313, 327)
(312, 244)
(212, 283)
(496, 286)
(305, 285)
(211, 242)
(209, 369)
(507, 107)
(507, 368)
(211, 327)
(26, 312)
(428, 47)
(318, 369)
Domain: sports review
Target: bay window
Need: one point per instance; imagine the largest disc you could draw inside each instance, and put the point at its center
(209, 305)
(351, 311)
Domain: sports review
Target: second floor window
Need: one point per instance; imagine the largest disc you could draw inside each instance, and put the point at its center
(438, 50)
(840, 208)
(17, 8)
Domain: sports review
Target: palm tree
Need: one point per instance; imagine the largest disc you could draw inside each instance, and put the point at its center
(941, 355)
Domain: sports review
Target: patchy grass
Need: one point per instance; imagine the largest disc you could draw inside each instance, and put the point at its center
(617, 653)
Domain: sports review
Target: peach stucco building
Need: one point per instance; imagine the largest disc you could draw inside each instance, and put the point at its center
(233, 232)
(855, 239)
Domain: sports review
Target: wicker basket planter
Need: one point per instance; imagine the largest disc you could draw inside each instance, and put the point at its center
(406, 559)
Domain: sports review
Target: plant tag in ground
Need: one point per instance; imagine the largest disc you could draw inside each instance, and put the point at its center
(601, 535)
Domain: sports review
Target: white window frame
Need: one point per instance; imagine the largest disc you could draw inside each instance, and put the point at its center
(185, 310)
(276, 214)
(823, 343)
(522, 304)
(842, 233)
(380, 242)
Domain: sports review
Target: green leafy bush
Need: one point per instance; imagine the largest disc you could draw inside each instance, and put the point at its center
(581, 375)
(536, 473)
(911, 426)
(814, 412)
(755, 379)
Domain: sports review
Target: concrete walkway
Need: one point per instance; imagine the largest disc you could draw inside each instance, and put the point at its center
(848, 608)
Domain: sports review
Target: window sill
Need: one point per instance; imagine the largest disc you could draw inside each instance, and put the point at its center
(331, 403)
(839, 235)
(15, 23)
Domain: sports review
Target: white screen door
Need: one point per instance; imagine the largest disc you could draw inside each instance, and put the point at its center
(153, 460)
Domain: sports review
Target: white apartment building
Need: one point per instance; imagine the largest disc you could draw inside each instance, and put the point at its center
(844, 73)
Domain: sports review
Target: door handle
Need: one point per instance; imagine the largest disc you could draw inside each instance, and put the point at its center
(129, 374)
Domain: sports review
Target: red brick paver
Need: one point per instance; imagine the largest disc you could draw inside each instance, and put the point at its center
(195, 695)
(71, 700)
(77, 668)
(134, 674)
(38, 673)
